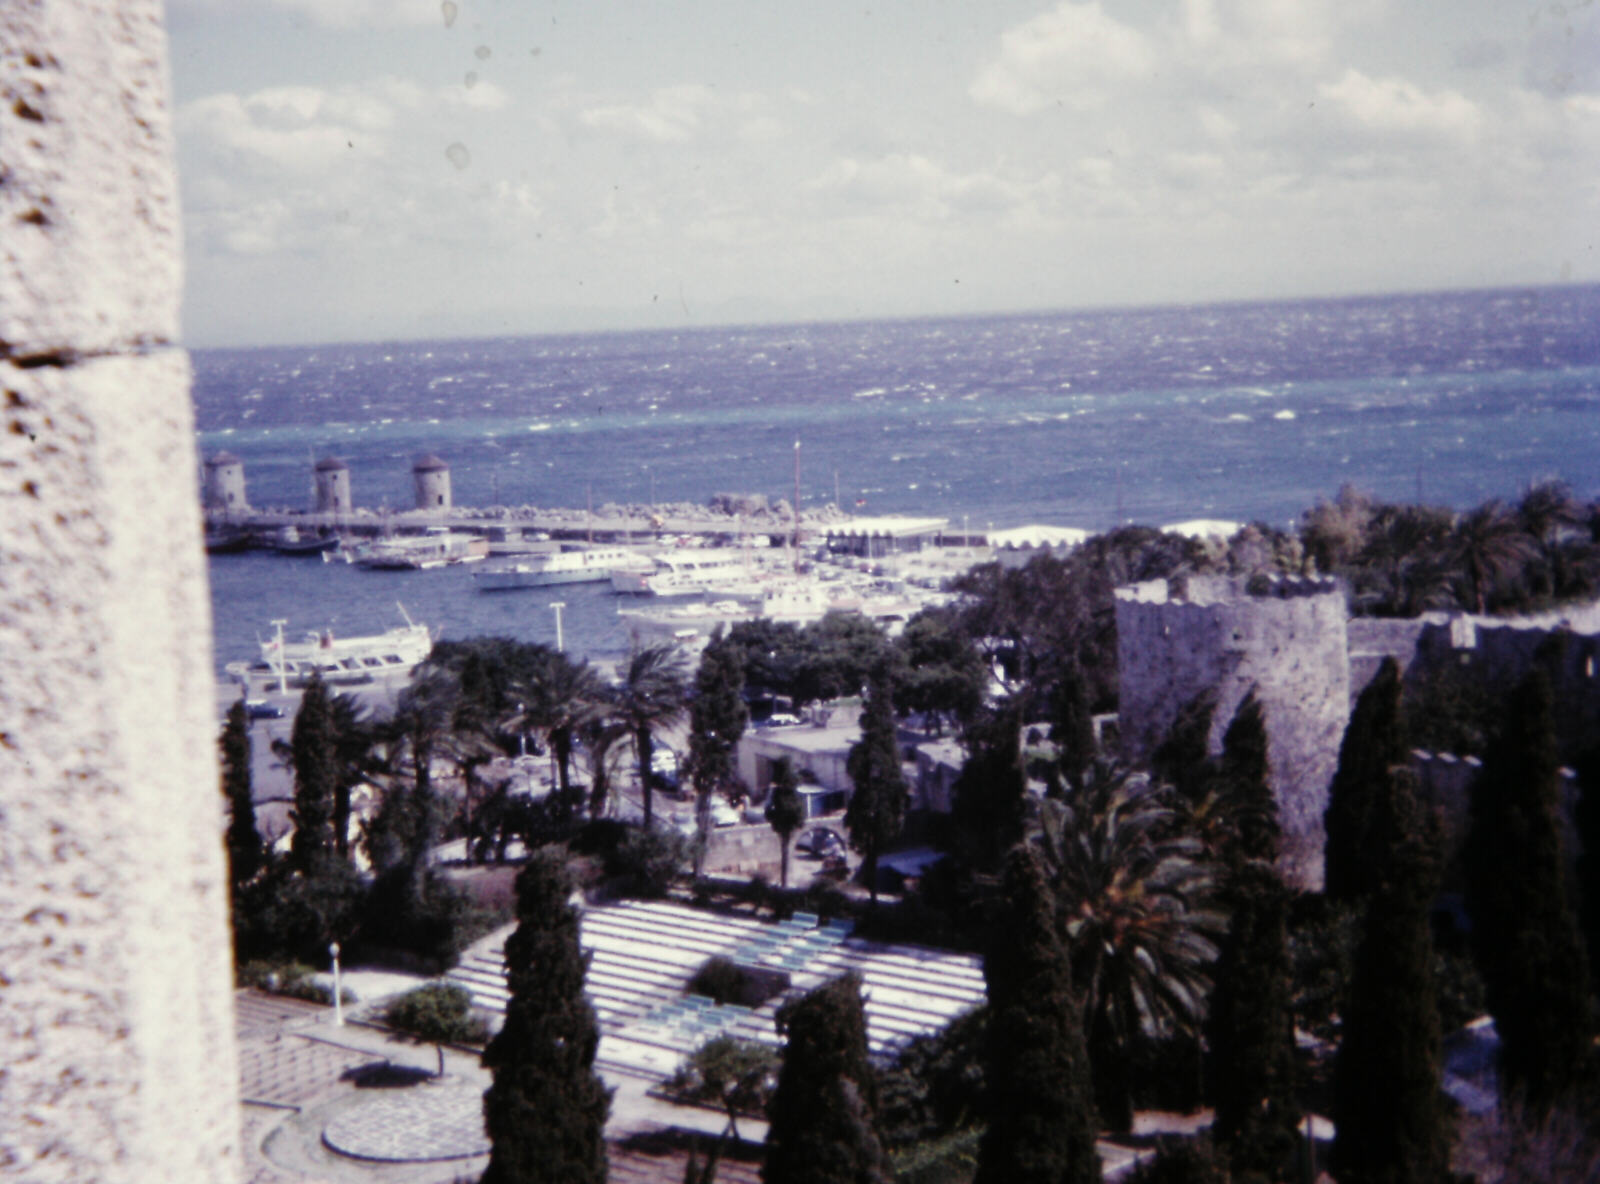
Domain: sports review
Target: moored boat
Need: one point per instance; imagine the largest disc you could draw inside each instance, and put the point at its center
(688, 573)
(337, 660)
(562, 567)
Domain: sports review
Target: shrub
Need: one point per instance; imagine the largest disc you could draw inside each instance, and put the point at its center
(733, 1074)
(728, 982)
(294, 980)
(440, 1013)
(650, 860)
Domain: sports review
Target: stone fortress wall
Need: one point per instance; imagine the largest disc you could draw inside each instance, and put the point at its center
(1287, 640)
(1293, 642)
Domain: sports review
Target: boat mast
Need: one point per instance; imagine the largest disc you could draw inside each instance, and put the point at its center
(283, 682)
(797, 506)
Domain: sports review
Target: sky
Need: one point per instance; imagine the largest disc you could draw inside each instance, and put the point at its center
(360, 170)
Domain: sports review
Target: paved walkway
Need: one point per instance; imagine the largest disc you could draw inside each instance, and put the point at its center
(307, 1083)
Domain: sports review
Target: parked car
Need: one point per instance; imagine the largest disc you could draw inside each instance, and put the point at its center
(822, 843)
(261, 709)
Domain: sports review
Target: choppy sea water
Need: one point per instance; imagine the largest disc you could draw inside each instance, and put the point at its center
(1074, 418)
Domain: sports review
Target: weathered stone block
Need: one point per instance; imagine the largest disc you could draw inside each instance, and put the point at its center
(88, 194)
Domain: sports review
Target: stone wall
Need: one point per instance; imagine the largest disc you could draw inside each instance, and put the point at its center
(1287, 642)
(118, 1053)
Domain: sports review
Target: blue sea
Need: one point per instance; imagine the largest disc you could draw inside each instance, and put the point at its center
(1240, 411)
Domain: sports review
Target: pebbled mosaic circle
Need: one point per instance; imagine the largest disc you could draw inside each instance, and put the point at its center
(421, 1124)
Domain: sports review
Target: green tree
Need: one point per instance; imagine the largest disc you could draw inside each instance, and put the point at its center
(1183, 758)
(989, 792)
(1133, 896)
(1244, 778)
(738, 1075)
(650, 697)
(1392, 1124)
(786, 812)
(313, 743)
(558, 697)
(942, 674)
(244, 841)
(717, 719)
(1250, 1028)
(1371, 755)
(1039, 1101)
(821, 1119)
(1072, 724)
(879, 797)
(1486, 544)
(545, 1112)
(1525, 938)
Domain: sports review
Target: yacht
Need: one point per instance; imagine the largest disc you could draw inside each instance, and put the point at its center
(562, 567)
(338, 660)
(687, 573)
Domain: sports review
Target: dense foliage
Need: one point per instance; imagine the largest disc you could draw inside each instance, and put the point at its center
(1039, 1102)
(244, 841)
(440, 1013)
(1524, 932)
(545, 1112)
(785, 811)
(1388, 1109)
(878, 801)
(822, 1116)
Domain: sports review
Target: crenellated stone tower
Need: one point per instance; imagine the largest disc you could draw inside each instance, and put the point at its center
(1287, 639)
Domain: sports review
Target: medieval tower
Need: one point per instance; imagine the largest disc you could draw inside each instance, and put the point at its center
(333, 486)
(1284, 638)
(431, 477)
(224, 484)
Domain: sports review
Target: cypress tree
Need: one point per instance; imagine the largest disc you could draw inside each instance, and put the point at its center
(1393, 1126)
(1072, 724)
(244, 841)
(717, 718)
(545, 1113)
(1245, 778)
(1250, 1027)
(314, 747)
(1039, 1097)
(878, 802)
(1587, 821)
(821, 1120)
(1374, 746)
(1183, 758)
(989, 792)
(785, 811)
(1525, 938)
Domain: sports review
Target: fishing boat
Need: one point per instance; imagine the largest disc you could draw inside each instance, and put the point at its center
(290, 541)
(339, 661)
(562, 567)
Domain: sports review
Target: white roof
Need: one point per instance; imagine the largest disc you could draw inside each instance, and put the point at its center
(1202, 528)
(889, 524)
(1038, 536)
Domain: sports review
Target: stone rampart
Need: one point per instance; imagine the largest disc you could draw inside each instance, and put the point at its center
(1287, 640)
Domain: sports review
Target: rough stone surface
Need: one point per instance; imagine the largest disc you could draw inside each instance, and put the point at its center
(1289, 644)
(117, 1060)
(89, 204)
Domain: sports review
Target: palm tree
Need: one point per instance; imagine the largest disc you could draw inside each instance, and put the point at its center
(1487, 543)
(602, 735)
(652, 696)
(558, 697)
(1406, 555)
(1134, 895)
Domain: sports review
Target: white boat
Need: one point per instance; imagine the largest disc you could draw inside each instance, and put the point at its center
(339, 660)
(562, 567)
(439, 547)
(687, 573)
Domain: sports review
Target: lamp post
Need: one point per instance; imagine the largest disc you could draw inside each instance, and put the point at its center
(338, 992)
(557, 606)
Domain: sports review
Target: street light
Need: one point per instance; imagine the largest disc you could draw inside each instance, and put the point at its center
(558, 606)
(338, 992)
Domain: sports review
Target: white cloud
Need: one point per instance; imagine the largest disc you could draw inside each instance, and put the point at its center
(1070, 55)
(671, 115)
(911, 185)
(1396, 107)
